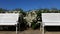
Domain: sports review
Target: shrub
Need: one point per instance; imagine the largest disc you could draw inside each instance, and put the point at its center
(35, 25)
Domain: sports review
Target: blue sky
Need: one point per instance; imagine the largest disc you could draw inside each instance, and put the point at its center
(29, 4)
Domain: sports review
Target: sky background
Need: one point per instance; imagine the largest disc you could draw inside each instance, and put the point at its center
(29, 4)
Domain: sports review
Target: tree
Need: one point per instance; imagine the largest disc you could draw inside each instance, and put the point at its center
(17, 9)
(24, 13)
(21, 11)
(3, 10)
(39, 15)
(54, 10)
(22, 24)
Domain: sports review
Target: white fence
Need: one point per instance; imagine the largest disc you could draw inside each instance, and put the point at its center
(50, 19)
(9, 19)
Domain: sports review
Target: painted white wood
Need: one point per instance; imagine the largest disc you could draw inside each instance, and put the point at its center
(16, 30)
(8, 18)
(50, 19)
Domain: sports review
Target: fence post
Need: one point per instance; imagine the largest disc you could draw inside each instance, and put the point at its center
(16, 29)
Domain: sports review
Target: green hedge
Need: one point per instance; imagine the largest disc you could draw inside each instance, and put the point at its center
(35, 26)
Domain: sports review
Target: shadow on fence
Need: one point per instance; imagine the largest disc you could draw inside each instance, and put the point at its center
(52, 28)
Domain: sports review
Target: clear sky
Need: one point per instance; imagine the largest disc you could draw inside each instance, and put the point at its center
(29, 4)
